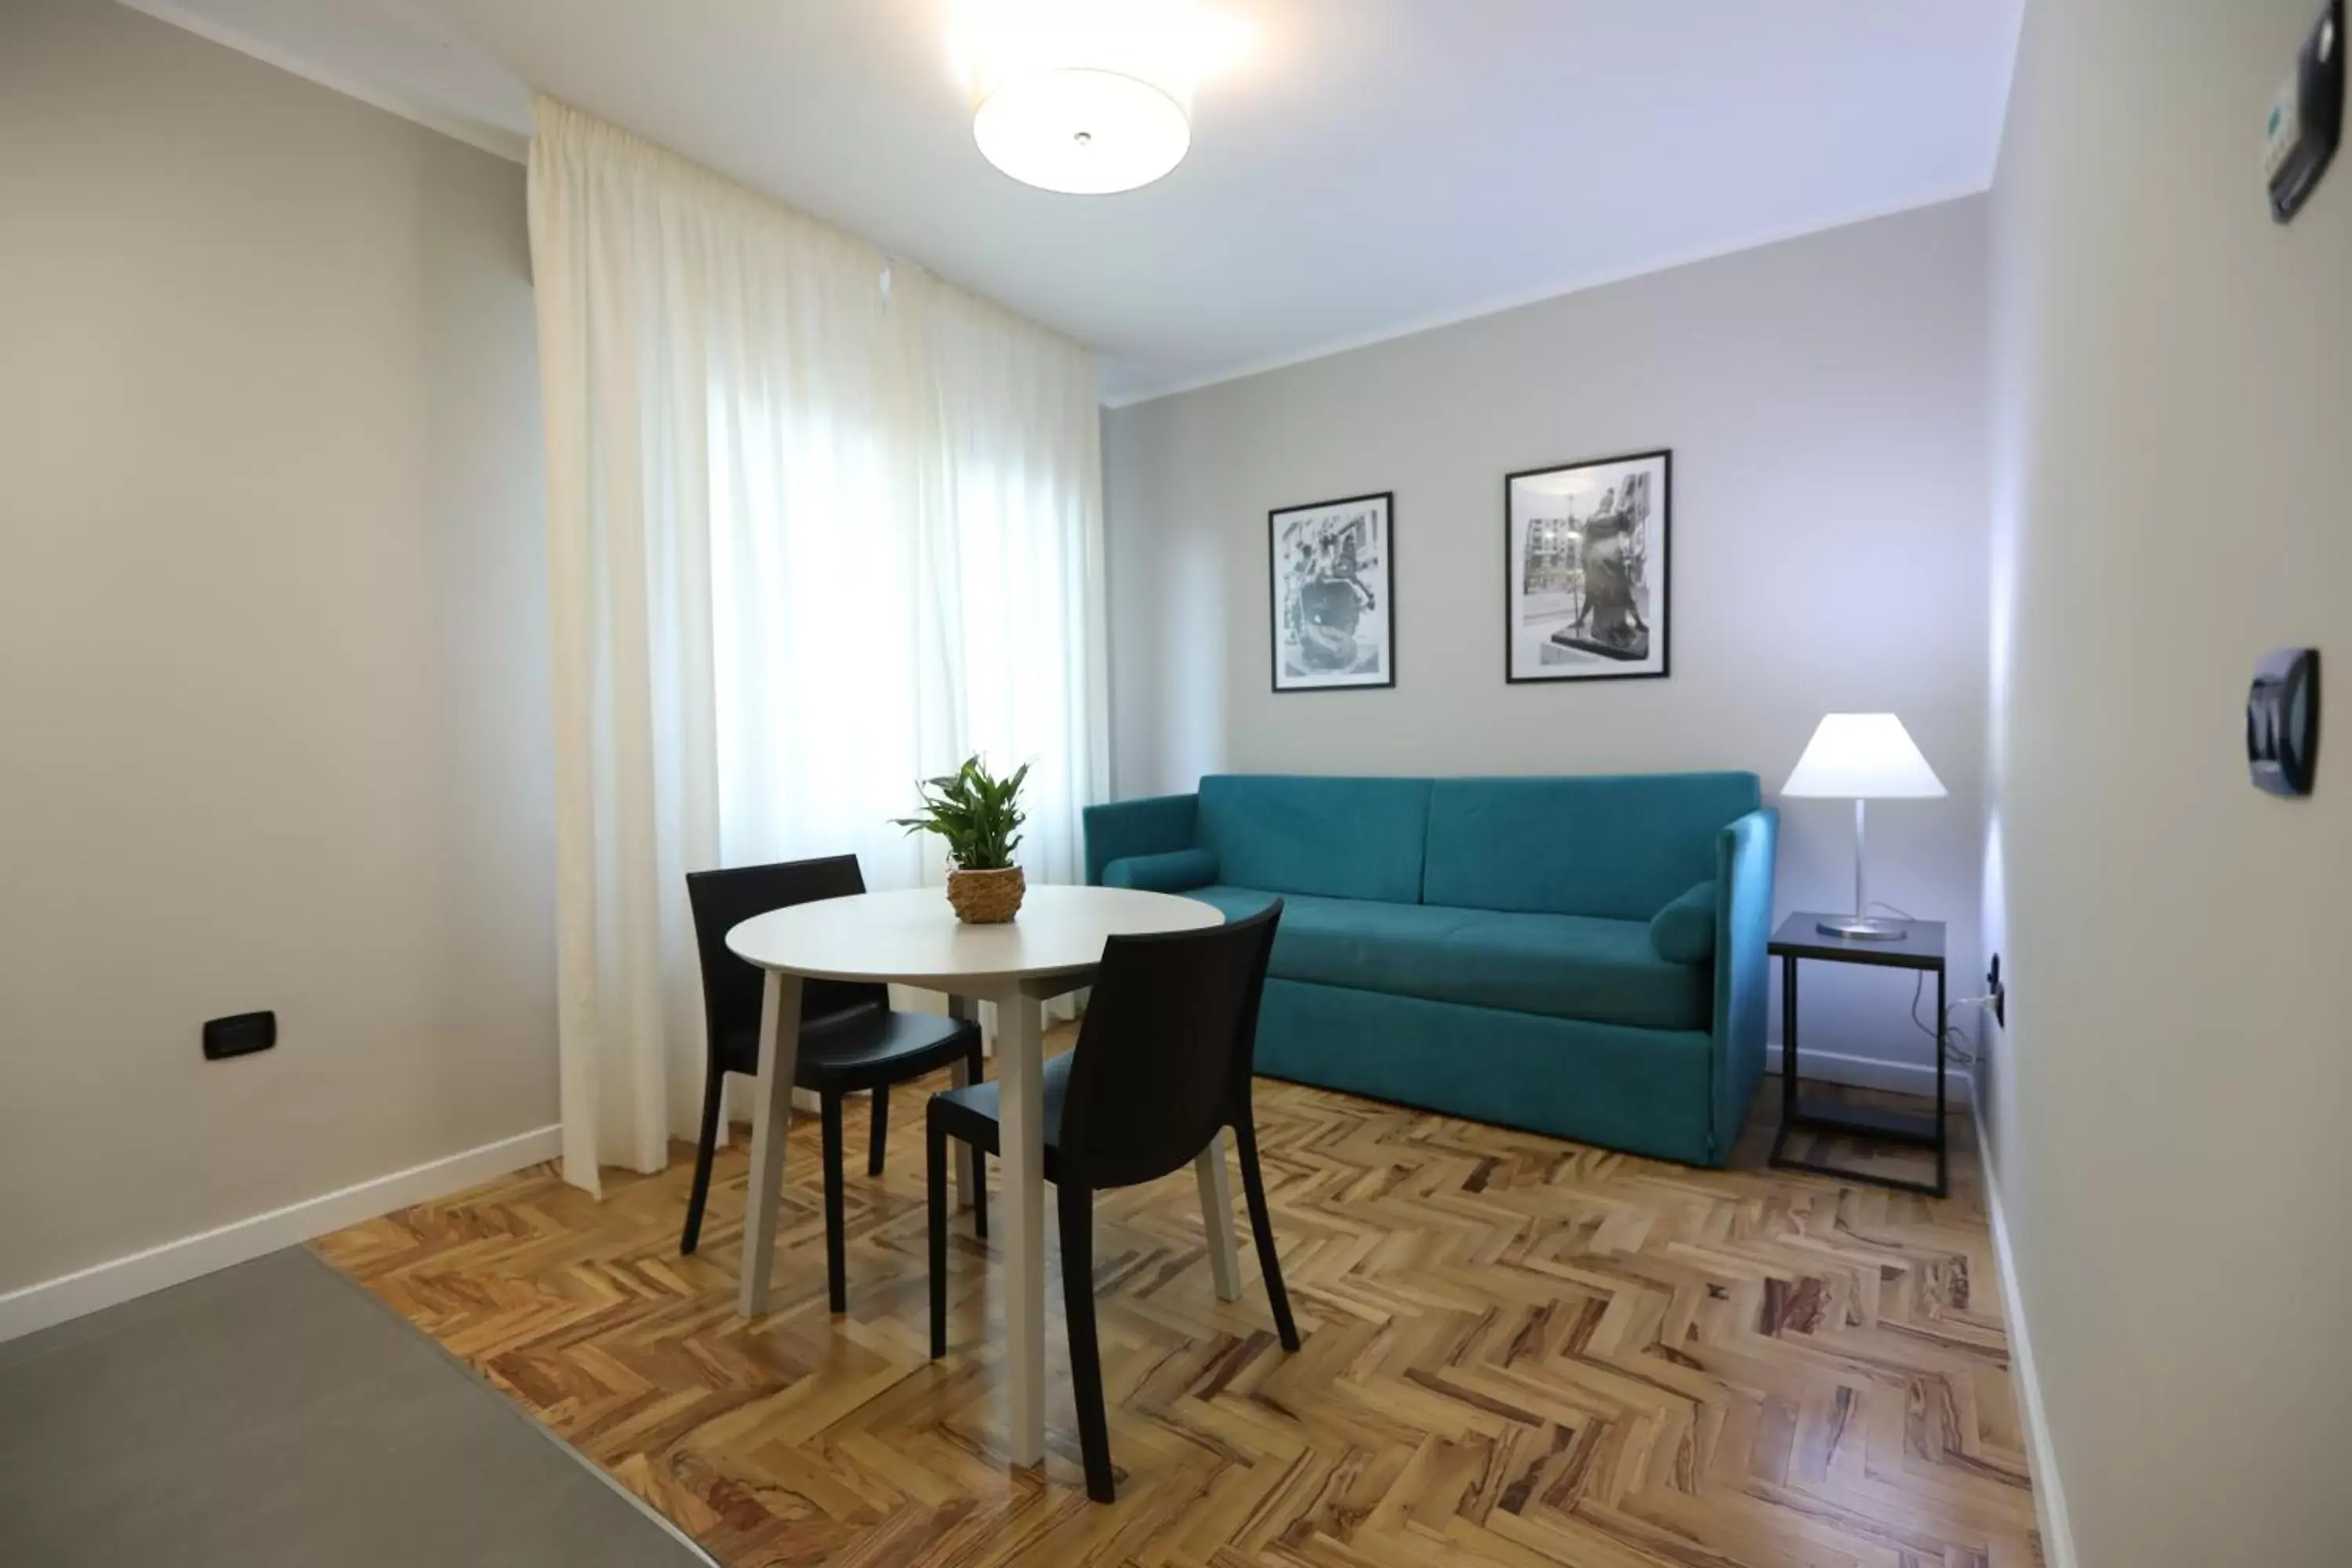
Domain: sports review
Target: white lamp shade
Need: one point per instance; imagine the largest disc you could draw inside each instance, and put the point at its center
(1863, 756)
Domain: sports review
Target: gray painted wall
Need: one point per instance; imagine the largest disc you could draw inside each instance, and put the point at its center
(272, 641)
(2173, 456)
(1825, 400)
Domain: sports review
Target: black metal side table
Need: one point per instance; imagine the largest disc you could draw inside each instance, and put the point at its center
(1921, 947)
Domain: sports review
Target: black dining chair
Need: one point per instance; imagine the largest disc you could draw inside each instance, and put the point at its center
(1162, 1065)
(850, 1039)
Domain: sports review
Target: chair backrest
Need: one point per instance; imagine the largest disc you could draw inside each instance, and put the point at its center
(724, 899)
(1164, 1055)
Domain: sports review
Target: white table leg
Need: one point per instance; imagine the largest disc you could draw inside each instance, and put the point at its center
(1020, 1042)
(967, 1164)
(1217, 1212)
(771, 1114)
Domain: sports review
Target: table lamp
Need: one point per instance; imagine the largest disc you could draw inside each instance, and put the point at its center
(1863, 757)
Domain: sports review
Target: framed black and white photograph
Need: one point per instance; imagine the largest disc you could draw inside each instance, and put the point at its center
(1586, 552)
(1332, 567)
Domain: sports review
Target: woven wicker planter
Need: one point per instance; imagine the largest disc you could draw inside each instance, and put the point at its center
(987, 898)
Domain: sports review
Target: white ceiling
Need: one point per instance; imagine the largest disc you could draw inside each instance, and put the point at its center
(1373, 167)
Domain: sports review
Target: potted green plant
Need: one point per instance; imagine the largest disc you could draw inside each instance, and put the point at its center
(979, 817)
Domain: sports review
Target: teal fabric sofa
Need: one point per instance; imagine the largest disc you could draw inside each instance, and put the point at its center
(1579, 956)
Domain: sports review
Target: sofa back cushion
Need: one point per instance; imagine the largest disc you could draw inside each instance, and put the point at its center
(1621, 848)
(1333, 838)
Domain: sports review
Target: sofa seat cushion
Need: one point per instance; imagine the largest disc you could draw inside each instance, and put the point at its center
(1558, 966)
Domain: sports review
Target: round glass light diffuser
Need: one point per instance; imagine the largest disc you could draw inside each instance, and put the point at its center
(1081, 131)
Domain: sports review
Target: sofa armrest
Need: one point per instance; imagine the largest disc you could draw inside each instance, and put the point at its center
(1178, 871)
(1158, 826)
(1743, 971)
(1683, 931)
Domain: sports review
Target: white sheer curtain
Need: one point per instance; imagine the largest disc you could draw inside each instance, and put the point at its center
(818, 526)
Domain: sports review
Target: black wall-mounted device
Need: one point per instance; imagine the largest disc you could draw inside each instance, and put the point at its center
(2307, 121)
(239, 1036)
(2283, 722)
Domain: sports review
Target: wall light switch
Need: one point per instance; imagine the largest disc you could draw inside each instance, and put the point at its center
(2282, 723)
(240, 1035)
(2307, 120)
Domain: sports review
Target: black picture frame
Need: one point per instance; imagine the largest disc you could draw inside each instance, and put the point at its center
(1384, 598)
(1606, 664)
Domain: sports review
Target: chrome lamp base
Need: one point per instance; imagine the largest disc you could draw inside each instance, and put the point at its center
(1860, 928)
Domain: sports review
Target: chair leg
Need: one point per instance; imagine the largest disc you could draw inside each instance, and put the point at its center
(978, 1071)
(1077, 1209)
(714, 1096)
(935, 1166)
(881, 1129)
(1269, 1261)
(836, 1263)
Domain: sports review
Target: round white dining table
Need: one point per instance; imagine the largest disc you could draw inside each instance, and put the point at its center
(913, 938)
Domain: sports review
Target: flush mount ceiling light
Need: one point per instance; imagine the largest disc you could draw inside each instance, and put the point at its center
(1086, 97)
(1082, 130)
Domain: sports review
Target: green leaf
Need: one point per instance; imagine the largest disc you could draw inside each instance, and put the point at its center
(977, 814)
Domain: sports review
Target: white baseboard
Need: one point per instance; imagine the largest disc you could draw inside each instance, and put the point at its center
(2049, 1497)
(105, 1284)
(1869, 1072)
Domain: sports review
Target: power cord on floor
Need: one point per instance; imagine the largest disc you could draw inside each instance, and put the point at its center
(1950, 1038)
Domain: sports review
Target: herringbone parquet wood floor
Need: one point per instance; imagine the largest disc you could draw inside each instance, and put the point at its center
(1519, 1351)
